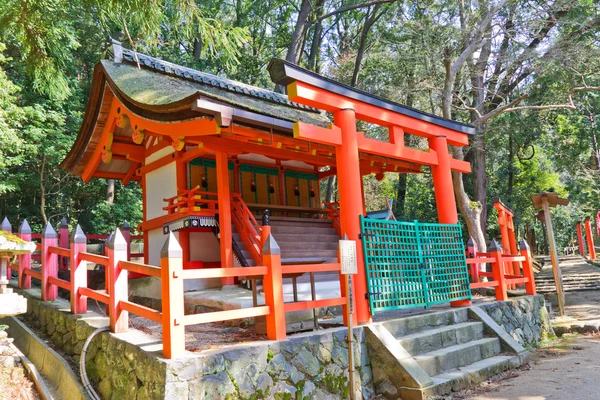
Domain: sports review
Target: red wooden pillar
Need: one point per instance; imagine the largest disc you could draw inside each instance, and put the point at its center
(580, 240)
(49, 263)
(590, 239)
(498, 271)
(63, 240)
(224, 199)
(351, 205)
(528, 267)
(182, 183)
(78, 271)
(24, 259)
(117, 282)
(171, 264)
(7, 228)
(444, 191)
(273, 288)
(126, 230)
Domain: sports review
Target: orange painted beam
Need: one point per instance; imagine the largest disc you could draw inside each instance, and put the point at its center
(97, 295)
(330, 136)
(222, 272)
(460, 166)
(131, 151)
(144, 312)
(130, 174)
(224, 199)
(226, 315)
(307, 305)
(386, 149)
(195, 127)
(312, 96)
(114, 175)
(144, 269)
(94, 161)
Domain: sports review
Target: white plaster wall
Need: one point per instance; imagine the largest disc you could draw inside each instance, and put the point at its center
(159, 154)
(256, 158)
(160, 184)
(297, 164)
(203, 247)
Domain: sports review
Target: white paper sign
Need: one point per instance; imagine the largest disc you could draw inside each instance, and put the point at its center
(348, 257)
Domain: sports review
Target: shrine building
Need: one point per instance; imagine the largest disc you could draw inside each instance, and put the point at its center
(212, 154)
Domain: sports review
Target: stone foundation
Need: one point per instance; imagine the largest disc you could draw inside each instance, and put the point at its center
(525, 318)
(130, 365)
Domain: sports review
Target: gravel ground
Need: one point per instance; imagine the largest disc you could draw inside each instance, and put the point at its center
(568, 369)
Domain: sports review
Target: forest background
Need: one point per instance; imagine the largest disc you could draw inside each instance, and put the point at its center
(524, 72)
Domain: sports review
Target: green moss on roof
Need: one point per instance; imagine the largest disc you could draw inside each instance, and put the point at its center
(12, 238)
(154, 89)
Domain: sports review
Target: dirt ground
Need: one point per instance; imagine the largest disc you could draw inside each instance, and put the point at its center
(567, 370)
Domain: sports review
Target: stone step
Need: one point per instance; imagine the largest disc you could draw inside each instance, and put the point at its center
(429, 320)
(303, 230)
(441, 337)
(299, 236)
(472, 374)
(452, 357)
(307, 246)
(308, 253)
(289, 221)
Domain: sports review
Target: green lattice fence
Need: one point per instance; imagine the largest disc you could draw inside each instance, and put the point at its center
(412, 264)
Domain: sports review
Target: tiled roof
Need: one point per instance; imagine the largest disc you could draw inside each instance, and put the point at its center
(209, 79)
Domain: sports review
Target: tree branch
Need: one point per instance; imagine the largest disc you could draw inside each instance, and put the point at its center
(354, 7)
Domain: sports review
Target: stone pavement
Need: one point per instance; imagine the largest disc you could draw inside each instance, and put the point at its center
(568, 370)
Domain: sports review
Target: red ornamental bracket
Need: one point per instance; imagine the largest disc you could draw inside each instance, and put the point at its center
(122, 119)
(178, 144)
(138, 135)
(106, 154)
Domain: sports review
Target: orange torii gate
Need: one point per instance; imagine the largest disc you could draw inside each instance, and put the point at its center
(349, 105)
(507, 233)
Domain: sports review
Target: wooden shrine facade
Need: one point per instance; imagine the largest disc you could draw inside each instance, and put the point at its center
(212, 153)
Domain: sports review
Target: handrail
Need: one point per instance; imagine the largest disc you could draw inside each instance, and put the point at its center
(248, 227)
(332, 210)
(138, 268)
(190, 200)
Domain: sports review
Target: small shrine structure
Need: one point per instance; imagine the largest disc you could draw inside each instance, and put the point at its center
(212, 154)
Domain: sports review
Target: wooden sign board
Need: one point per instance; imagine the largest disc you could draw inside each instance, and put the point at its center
(348, 262)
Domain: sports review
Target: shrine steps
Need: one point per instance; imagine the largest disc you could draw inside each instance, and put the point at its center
(452, 350)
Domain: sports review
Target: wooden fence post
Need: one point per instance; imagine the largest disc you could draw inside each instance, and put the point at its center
(273, 288)
(171, 265)
(472, 251)
(78, 271)
(63, 240)
(528, 267)
(7, 228)
(6, 225)
(495, 250)
(49, 263)
(24, 259)
(590, 238)
(126, 230)
(580, 239)
(117, 282)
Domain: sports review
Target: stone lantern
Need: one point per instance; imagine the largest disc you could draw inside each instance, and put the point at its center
(11, 246)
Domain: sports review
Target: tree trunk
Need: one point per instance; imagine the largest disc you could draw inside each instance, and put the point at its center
(110, 191)
(511, 169)
(295, 50)
(330, 186)
(370, 19)
(315, 48)
(479, 169)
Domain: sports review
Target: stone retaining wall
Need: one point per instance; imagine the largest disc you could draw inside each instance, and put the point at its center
(130, 365)
(525, 318)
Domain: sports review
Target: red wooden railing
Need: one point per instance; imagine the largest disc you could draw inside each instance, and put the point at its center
(247, 226)
(332, 210)
(172, 276)
(189, 201)
(501, 278)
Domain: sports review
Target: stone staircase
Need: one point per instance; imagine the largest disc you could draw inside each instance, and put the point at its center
(455, 349)
(577, 275)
